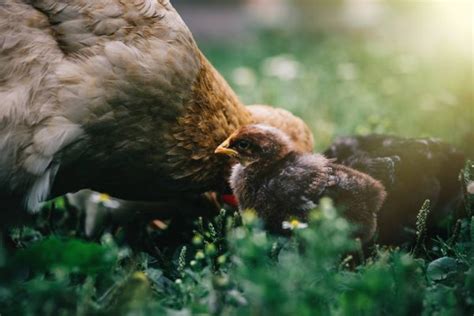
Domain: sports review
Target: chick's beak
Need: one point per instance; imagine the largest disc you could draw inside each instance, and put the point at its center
(223, 149)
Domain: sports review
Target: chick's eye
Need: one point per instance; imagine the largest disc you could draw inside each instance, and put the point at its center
(242, 144)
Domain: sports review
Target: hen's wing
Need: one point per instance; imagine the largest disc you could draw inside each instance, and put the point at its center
(73, 71)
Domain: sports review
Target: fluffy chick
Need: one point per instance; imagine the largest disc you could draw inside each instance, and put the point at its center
(412, 170)
(276, 181)
(298, 131)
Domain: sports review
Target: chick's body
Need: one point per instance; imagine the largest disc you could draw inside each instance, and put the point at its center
(280, 183)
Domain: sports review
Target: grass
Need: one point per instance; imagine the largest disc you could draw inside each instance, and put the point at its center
(233, 267)
(230, 266)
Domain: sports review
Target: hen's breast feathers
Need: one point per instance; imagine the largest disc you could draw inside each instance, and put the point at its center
(211, 113)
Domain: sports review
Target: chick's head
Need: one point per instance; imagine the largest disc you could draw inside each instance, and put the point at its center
(256, 143)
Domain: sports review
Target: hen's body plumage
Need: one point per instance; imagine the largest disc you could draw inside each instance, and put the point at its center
(110, 95)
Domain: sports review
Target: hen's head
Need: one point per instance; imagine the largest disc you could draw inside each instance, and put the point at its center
(256, 143)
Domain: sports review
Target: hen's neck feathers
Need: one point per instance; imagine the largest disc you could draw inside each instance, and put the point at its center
(211, 113)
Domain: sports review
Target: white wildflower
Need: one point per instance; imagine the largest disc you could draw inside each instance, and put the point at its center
(105, 200)
(293, 224)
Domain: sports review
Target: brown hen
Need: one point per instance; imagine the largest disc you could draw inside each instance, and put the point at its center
(109, 95)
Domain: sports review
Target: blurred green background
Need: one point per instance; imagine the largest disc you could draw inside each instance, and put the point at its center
(348, 66)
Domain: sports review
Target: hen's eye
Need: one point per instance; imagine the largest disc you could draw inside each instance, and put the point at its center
(242, 144)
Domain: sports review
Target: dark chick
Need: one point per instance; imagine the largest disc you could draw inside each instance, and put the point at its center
(280, 183)
(412, 170)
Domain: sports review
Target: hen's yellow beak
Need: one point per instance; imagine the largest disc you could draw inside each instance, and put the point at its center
(223, 149)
